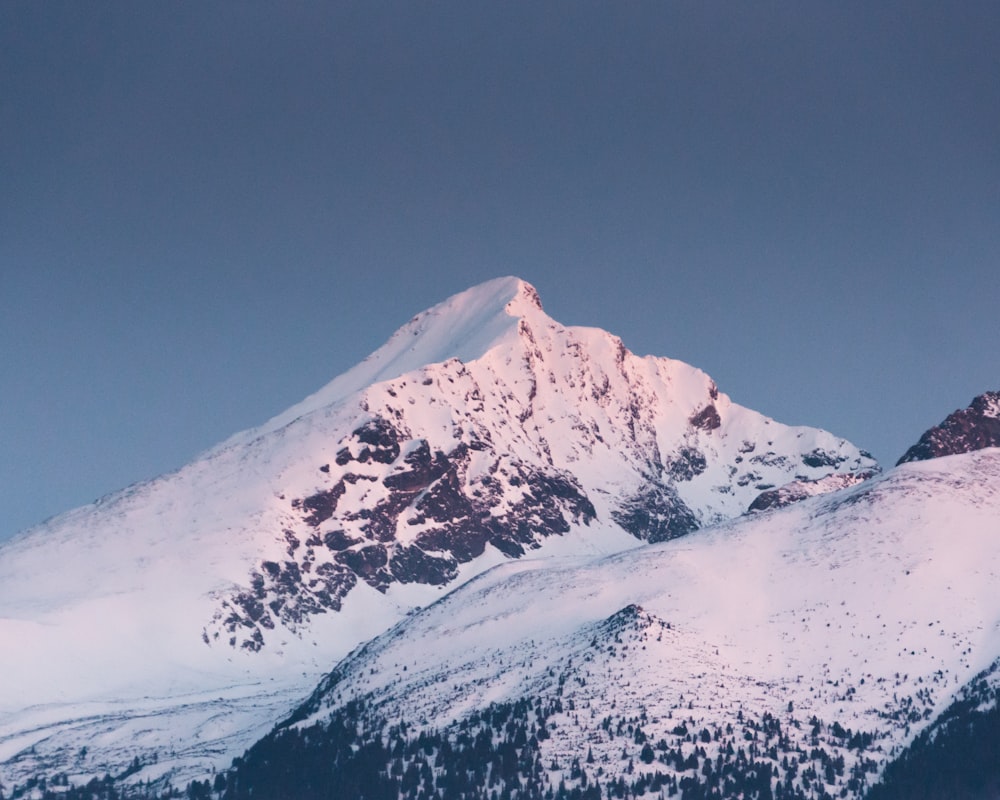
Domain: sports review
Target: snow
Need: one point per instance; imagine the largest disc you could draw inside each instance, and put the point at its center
(464, 327)
(103, 610)
(853, 606)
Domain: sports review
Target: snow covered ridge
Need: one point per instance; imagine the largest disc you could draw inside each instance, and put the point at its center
(799, 490)
(800, 650)
(962, 431)
(180, 616)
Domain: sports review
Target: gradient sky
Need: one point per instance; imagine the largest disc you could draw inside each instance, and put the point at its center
(207, 211)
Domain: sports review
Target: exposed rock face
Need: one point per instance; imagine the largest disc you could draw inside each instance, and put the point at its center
(707, 419)
(415, 523)
(963, 431)
(655, 514)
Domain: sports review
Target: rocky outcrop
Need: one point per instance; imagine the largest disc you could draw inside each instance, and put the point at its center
(799, 490)
(421, 514)
(655, 514)
(962, 431)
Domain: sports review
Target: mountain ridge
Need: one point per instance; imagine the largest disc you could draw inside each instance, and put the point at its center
(846, 626)
(198, 604)
(476, 320)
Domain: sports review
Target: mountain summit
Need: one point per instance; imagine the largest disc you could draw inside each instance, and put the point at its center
(465, 326)
(183, 615)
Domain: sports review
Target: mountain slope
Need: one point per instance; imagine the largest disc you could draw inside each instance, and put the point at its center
(798, 649)
(192, 609)
(957, 757)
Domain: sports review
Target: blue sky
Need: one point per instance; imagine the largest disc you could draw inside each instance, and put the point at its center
(207, 213)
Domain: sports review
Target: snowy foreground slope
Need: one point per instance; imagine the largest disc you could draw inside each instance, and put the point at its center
(173, 622)
(796, 650)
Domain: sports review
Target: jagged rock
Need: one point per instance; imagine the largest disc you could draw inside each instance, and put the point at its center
(413, 565)
(707, 419)
(688, 464)
(962, 431)
(656, 514)
(821, 458)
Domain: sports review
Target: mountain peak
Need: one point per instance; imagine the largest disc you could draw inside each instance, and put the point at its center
(525, 298)
(962, 431)
(510, 295)
(464, 326)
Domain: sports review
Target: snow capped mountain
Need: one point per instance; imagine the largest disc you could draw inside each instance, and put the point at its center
(181, 616)
(796, 650)
(549, 429)
(967, 429)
